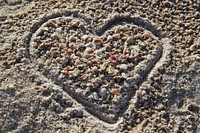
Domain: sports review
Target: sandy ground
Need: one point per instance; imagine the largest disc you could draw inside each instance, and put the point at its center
(163, 94)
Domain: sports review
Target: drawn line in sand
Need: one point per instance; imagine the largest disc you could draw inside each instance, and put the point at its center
(102, 67)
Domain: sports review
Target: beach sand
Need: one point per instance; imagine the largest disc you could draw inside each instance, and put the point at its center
(81, 66)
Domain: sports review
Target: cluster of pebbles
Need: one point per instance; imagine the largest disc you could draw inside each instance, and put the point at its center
(104, 70)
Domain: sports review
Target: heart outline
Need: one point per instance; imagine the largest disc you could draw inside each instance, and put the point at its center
(108, 24)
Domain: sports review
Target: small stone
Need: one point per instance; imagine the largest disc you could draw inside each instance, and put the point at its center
(89, 50)
(130, 40)
(10, 86)
(109, 38)
(47, 62)
(123, 67)
(124, 75)
(118, 78)
(115, 91)
(104, 66)
(84, 77)
(135, 30)
(59, 30)
(95, 96)
(97, 41)
(124, 28)
(103, 92)
(51, 23)
(61, 45)
(85, 37)
(99, 53)
(41, 45)
(95, 69)
(78, 113)
(147, 35)
(72, 39)
(73, 24)
(78, 62)
(193, 107)
(75, 72)
(116, 36)
(143, 92)
(117, 30)
(113, 58)
(86, 56)
(111, 70)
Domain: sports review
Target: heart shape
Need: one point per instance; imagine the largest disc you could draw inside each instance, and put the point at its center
(101, 69)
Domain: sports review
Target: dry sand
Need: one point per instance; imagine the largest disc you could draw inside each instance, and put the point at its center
(159, 87)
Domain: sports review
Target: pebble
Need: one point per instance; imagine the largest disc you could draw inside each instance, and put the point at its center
(104, 66)
(147, 35)
(51, 23)
(98, 41)
(55, 36)
(86, 56)
(109, 38)
(111, 70)
(99, 53)
(61, 45)
(10, 86)
(123, 67)
(94, 69)
(95, 96)
(124, 28)
(85, 37)
(89, 50)
(74, 24)
(78, 113)
(72, 39)
(130, 40)
(47, 62)
(78, 62)
(117, 30)
(116, 36)
(115, 91)
(103, 92)
(124, 75)
(75, 72)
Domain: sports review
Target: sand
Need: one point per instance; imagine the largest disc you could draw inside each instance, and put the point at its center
(99, 66)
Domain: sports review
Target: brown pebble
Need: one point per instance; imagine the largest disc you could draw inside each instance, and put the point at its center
(135, 30)
(68, 68)
(73, 24)
(115, 91)
(118, 78)
(69, 50)
(51, 23)
(61, 45)
(89, 63)
(97, 41)
(42, 46)
(89, 50)
(54, 53)
(61, 20)
(84, 77)
(116, 36)
(147, 35)
(49, 44)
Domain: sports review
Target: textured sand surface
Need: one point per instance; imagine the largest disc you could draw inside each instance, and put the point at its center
(100, 66)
